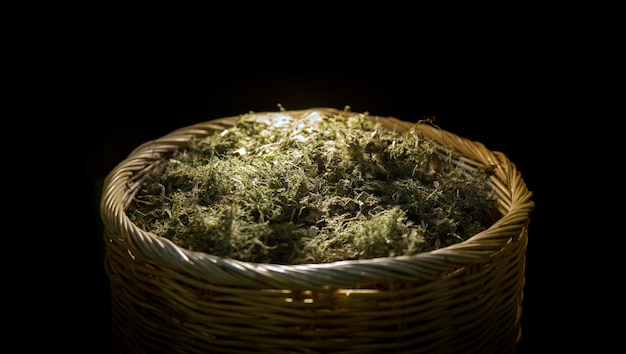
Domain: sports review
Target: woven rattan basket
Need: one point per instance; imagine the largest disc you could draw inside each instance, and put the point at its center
(463, 298)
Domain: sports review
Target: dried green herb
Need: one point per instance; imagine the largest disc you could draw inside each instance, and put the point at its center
(289, 189)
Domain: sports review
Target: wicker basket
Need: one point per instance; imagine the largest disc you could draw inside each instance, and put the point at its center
(464, 298)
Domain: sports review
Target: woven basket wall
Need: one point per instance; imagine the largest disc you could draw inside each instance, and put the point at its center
(464, 298)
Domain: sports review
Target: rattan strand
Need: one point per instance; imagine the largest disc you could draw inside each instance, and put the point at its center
(464, 298)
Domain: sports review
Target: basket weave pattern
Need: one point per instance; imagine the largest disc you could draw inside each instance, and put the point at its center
(465, 298)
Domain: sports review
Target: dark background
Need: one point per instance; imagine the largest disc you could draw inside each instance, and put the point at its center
(506, 107)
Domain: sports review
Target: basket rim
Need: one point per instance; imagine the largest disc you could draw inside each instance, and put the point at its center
(513, 195)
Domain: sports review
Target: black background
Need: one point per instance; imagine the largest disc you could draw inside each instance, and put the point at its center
(503, 104)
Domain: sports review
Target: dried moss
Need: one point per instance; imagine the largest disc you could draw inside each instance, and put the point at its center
(287, 189)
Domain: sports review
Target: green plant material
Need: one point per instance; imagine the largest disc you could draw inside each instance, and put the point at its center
(288, 189)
